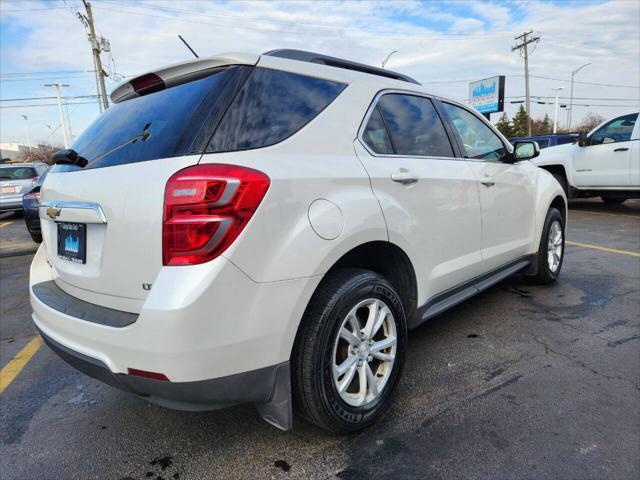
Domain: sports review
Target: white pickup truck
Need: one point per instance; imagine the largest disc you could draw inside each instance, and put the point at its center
(604, 163)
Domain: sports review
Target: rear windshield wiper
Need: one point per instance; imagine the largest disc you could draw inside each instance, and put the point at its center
(68, 156)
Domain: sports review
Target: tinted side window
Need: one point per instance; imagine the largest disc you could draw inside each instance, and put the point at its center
(414, 126)
(617, 130)
(375, 134)
(479, 140)
(271, 106)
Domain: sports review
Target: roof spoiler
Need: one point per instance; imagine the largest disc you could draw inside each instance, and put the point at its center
(304, 56)
(177, 74)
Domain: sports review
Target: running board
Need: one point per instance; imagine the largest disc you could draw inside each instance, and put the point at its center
(444, 301)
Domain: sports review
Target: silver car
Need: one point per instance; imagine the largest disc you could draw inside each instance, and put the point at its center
(16, 179)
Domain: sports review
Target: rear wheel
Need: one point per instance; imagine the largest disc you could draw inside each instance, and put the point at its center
(551, 250)
(349, 351)
(612, 200)
(36, 237)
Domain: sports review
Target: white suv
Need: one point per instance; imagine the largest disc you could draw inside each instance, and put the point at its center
(265, 229)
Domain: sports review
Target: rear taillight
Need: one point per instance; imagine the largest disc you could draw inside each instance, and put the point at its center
(33, 196)
(205, 209)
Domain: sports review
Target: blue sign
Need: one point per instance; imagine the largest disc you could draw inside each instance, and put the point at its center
(487, 96)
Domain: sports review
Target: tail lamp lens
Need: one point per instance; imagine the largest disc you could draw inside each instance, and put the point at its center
(33, 196)
(205, 209)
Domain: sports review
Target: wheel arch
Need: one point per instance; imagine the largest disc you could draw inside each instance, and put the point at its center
(390, 261)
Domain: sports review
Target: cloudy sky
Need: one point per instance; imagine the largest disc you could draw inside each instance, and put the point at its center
(444, 45)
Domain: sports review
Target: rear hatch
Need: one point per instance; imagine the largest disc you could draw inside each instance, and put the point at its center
(102, 224)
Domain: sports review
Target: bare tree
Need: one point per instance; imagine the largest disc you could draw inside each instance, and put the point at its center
(589, 122)
(42, 153)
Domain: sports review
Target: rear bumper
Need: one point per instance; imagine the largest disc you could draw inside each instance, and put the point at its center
(256, 386)
(218, 336)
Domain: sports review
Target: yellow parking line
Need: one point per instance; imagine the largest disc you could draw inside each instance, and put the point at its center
(602, 214)
(4, 224)
(604, 249)
(11, 370)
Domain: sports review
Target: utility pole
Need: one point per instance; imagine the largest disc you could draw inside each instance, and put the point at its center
(555, 115)
(526, 40)
(570, 109)
(98, 45)
(62, 122)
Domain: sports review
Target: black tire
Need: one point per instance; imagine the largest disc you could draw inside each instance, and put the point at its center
(545, 275)
(613, 200)
(562, 180)
(314, 393)
(36, 237)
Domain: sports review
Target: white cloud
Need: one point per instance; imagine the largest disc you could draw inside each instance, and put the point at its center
(475, 43)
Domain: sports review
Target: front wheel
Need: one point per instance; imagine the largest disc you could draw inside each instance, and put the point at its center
(349, 351)
(551, 250)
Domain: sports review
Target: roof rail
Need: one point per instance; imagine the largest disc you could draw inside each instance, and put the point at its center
(311, 57)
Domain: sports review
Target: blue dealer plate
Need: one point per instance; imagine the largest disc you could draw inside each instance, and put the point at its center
(72, 242)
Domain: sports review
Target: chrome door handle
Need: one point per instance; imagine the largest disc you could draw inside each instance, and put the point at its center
(404, 177)
(487, 182)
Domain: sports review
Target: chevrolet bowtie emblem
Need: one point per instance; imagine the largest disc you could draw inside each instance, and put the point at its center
(53, 212)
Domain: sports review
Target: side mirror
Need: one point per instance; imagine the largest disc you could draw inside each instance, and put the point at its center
(582, 139)
(525, 150)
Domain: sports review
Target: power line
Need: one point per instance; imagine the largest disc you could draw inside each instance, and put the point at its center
(45, 98)
(38, 79)
(46, 104)
(584, 83)
(53, 72)
(258, 21)
(577, 98)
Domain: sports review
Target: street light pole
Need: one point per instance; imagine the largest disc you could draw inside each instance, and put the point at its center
(555, 115)
(62, 122)
(26, 119)
(384, 62)
(570, 109)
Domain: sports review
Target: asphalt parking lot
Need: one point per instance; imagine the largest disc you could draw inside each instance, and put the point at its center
(520, 382)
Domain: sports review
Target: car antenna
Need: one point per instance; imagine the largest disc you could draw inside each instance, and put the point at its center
(188, 46)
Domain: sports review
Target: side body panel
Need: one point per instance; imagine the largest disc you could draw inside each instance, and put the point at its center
(507, 198)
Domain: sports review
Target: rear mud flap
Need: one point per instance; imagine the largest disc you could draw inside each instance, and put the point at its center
(278, 411)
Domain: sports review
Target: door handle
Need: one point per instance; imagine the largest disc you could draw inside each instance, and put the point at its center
(404, 177)
(487, 182)
(622, 149)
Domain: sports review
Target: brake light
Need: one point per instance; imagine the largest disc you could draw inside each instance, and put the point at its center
(205, 209)
(33, 196)
(148, 83)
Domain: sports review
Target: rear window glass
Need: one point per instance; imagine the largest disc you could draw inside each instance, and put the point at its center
(271, 106)
(17, 173)
(414, 126)
(173, 118)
